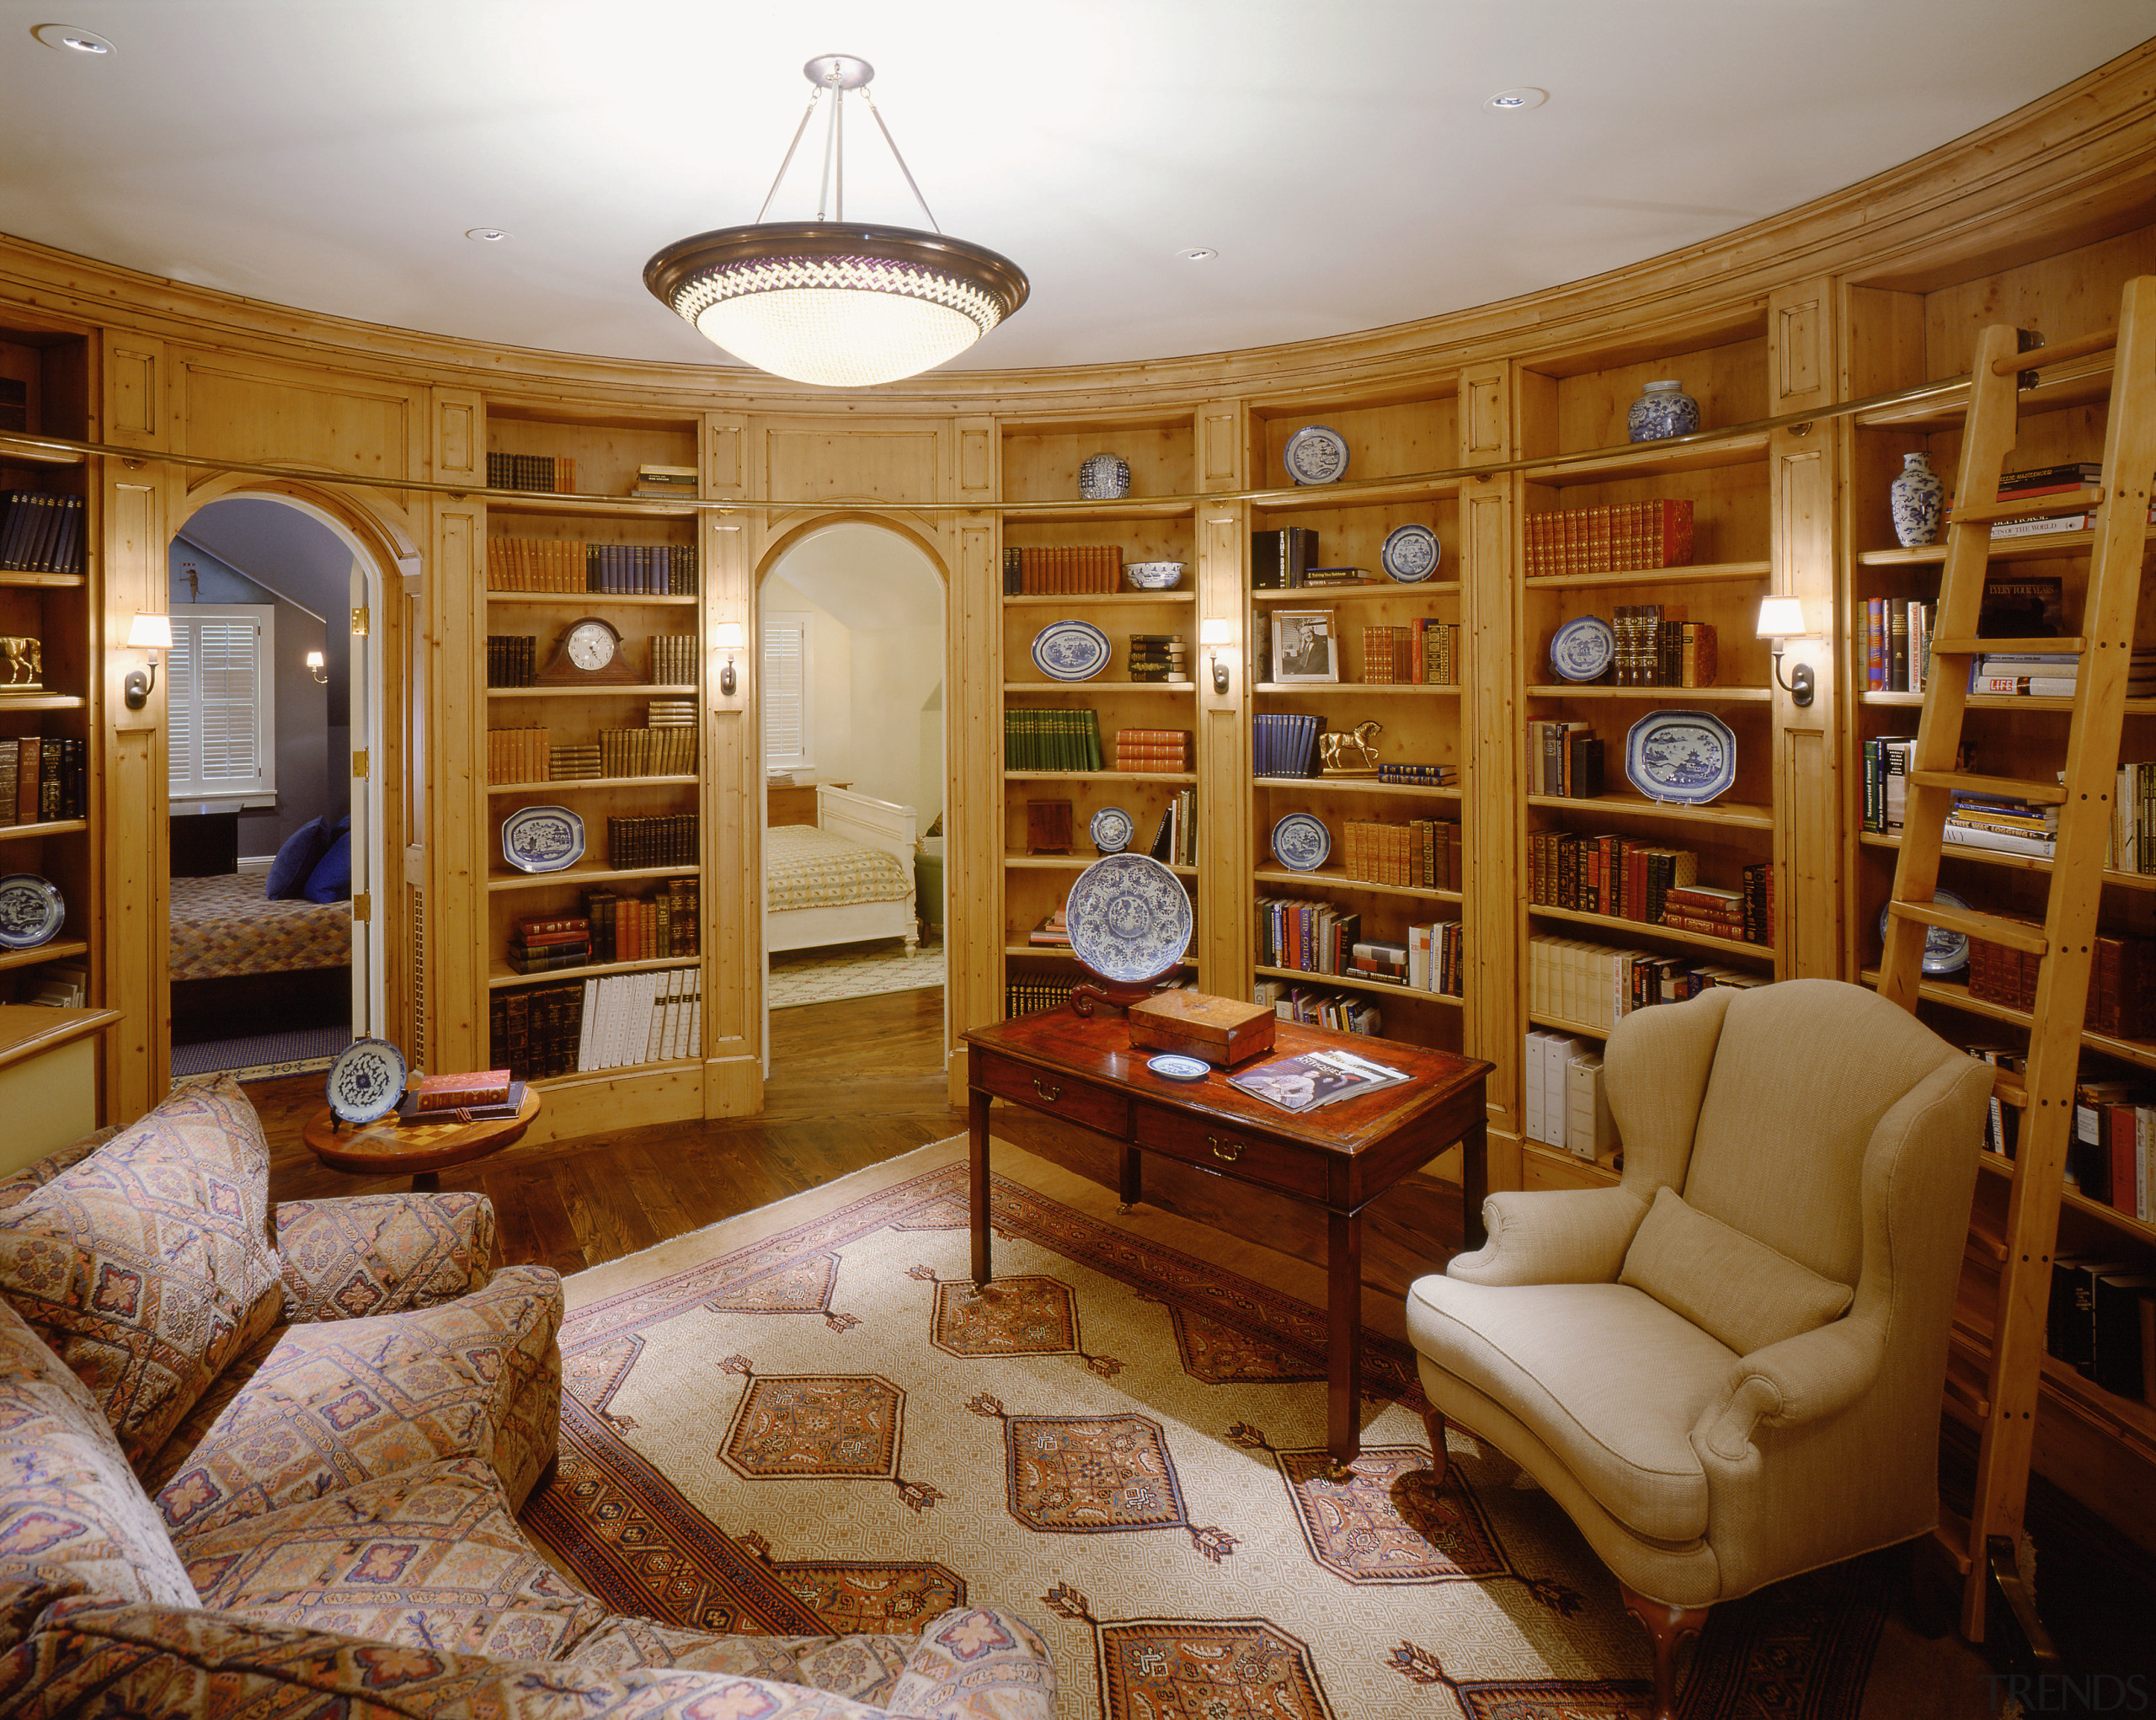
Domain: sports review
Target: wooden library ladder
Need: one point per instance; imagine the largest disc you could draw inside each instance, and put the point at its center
(1984, 1548)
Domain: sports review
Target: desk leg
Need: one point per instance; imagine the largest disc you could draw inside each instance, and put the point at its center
(1473, 1185)
(1131, 1190)
(426, 1182)
(1343, 1260)
(977, 1131)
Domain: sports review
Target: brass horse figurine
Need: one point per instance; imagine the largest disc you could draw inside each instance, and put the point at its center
(1350, 753)
(22, 661)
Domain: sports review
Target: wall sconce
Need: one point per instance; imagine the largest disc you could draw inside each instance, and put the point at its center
(317, 666)
(1212, 635)
(727, 637)
(1781, 619)
(152, 633)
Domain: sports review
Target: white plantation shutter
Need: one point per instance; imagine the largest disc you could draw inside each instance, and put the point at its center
(218, 738)
(786, 726)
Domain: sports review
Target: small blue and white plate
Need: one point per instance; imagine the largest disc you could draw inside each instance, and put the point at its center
(1112, 830)
(1070, 650)
(366, 1082)
(1173, 1065)
(1315, 454)
(1410, 554)
(1582, 648)
(1130, 918)
(32, 911)
(1944, 952)
(1300, 843)
(542, 839)
(1683, 758)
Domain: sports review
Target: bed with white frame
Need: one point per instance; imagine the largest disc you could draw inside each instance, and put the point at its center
(868, 823)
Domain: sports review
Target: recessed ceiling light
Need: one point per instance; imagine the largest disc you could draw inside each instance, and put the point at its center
(1197, 253)
(66, 36)
(486, 235)
(1507, 100)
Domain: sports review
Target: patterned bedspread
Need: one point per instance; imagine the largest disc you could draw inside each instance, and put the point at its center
(808, 868)
(225, 926)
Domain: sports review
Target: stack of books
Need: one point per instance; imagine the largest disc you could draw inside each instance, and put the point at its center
(1343, 1012)
(1619, 876)
(1897, 643)
(2101, 1319)
(509, 658)
(641, 569)
(1158, 657)
(670, 714)
(674, 659)
(1418, 653)
(1621, 537)
(1564, 759)
(62, 986)
(1312, 1079)
(1436, 954)
(1306, 936)
(1149, 751)
(672, 484)
(668, 840)
(1051, 738)
(1703, 908)
(539, 943)
(1567, 1100)
(2132, 848)
(2042, 675)
(1030, 994)
(663, 751)
(1279, 560)
(40, 532)
(2001, 825)
(43, 780)
(1077, 568)
(1657, 647)
(520, 756)
(1419, 854)
(536, 563)
(1285, 745)
(547, 473)
(1594, 986)
(566, 764)
(1052, 934)
(1175, 839)
(1421, 776)
(606, 1022)
(633, 929)
(1316, 578)
(2039, 482)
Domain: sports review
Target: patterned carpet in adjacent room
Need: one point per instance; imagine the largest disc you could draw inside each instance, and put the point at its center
(851, 970)
(803, 1420)
(263, 1056)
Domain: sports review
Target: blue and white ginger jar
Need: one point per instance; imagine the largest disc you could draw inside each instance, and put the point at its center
(1103, 478)
(1919, 499)
(1662, 410)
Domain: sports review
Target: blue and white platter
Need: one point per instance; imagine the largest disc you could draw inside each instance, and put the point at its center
(1582, 648)
(1173, 1065)
(1130, 919)
(366, 1082)
(1300, 843)
(32, 911)
(1684, 758)
(1944, 952)
(1411, 553)
(1112, 830)
(1070, 650)
(1315, 454)
(542, 838)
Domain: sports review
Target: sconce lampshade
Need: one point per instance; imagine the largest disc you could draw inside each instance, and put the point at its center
(1781, 618)
(1215, 633)
(149, 633)
(315, 660)
(726, 636)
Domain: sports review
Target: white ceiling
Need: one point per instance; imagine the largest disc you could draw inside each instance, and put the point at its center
(1337, 154)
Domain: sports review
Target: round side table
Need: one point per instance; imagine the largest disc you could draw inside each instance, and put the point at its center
(390, 1148)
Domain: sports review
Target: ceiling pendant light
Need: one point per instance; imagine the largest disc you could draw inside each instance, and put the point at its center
(841, 306)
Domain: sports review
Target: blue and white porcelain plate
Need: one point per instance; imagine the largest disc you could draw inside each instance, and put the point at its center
(542, 838)
(32, 911)
(1411, 553)
(1686, 758)
(1315, 454)
(1582, 648)
(1130, 919)
(1173, 1065)
(1300, 843)
(1112, 830)
(1070, 650)
(366, 1082)
(1944, 952)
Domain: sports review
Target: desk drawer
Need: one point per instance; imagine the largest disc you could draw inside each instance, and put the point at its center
(1232, 1152)
(1059, 1095)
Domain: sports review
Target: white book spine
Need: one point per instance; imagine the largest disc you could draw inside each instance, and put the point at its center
(1555, 1058)
(584, 1028)
(1532, 1083)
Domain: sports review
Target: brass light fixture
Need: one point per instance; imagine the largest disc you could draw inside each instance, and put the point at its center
(837, 304)
(149, 633)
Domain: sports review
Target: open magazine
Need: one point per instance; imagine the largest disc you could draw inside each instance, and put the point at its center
(1313, 1079)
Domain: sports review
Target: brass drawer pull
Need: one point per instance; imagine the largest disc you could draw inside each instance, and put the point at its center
(1228, 1154)
(1051, 1094)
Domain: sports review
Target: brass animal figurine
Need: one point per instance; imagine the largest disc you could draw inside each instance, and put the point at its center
(22, 661)
(1352, 754)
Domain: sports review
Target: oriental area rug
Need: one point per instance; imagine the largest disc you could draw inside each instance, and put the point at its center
(803, 1420)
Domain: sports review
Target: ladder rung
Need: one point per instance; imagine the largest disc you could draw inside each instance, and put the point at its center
(2035, 507)
(2039, 358)
(1992, 929)
(2009, 648)
(2002, 788)
(1965, 1385)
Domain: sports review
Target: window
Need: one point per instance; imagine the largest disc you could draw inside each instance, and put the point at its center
(788, 740)
(220, 715)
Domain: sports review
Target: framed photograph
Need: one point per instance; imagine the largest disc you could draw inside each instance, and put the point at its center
(1305, 646)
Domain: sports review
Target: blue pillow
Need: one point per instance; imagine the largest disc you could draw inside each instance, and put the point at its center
(297, 859)
(331, 881)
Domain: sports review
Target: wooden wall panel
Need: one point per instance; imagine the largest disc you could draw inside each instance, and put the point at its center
(285, 415)
(732, 830)
(136, 413)
(862, 462)
(980, 475)
(972, 765)
(1226, 945)
(458, 829)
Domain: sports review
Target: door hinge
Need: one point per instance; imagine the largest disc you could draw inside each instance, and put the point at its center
(362, 908)
(360, 765)
(359, 623)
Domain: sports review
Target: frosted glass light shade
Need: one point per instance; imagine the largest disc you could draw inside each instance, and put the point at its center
(1781, 618)
(1215, 632)
(149, 633)
(726, 636)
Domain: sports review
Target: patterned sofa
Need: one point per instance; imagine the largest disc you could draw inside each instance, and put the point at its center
(244, 1476)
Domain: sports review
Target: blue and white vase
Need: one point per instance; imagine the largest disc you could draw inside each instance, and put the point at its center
(1917, 498)
(1103, 478)
(1662, 410)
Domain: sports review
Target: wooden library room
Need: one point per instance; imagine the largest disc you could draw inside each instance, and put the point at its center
(1319, 777)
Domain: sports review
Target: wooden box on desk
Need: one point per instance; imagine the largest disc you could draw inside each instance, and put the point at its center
(1222, 1031)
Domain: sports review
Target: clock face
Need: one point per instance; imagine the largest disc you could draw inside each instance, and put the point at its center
(590, 645)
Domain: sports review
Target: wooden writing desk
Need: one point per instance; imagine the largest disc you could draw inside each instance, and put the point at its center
(1339, 1158)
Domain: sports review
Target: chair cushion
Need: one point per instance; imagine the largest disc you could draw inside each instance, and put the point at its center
(72, 1515)
(145, 1267)
(1609, 1378)
(1746, 1294)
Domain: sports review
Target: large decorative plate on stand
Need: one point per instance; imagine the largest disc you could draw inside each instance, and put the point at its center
(366, 1082)
(1130, 922)
(1300, 842)
(1410, 554)
(1315, 454)
(1945, 953)
(1583, 648)
(1684, 758)
(1070, 650)
(542, 839)
(32, 911)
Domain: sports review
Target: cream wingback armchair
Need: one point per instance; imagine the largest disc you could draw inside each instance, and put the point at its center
(1727, 1370)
